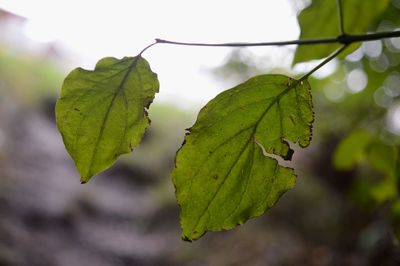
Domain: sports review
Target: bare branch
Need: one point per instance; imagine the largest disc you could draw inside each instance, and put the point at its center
(343, 39)
(340, 16)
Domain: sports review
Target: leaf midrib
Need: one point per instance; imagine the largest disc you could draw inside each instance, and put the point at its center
(105, 118)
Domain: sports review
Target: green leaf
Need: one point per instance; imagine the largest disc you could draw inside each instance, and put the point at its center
(320, 20)
(360, 145)
(223, 174)
(101, 114)
(382, 157)
(351, 150)
(395, 217)
(384, 190)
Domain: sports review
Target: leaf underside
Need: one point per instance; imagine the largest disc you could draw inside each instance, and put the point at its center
(101, 114)
(223, 174)
(359, 17)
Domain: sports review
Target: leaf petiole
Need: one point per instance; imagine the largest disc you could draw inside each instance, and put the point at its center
(327, 60)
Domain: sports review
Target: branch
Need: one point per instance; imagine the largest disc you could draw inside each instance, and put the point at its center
(147, 47)
(246, 44)
(327, 60)
(340, 16)
(343, 39)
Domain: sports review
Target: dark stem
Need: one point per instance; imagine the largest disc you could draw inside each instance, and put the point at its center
(347, 39)
(147, 47)
(343, 39)
(246, 44)
(327, 60)
(340, 16)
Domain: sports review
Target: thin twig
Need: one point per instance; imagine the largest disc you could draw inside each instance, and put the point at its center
(340, 16)
(246, 44)
(327, 60)
(347, 39)
(343, 39)
(147, 47)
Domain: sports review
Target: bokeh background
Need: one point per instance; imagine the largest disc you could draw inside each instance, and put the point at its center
(344, 209)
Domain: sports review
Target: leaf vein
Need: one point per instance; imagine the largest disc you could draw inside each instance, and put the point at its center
(105, 118)
(223, 182)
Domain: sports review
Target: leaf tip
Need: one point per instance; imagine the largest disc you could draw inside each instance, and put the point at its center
(193, 235)
(186, 238)
(84, 180)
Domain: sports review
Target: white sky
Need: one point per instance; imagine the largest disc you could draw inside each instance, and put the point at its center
(95, 29)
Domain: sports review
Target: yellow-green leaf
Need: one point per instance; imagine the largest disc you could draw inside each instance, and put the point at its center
(101, 114)
(223, 174)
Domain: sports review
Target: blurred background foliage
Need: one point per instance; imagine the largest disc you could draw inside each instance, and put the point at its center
(344, 210)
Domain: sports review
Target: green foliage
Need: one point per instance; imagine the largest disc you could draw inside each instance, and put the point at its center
(101, 114)
(395, 211)
(223, 175)
(362, 148)
(351, 150)
(382, 157)
(320, 20)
